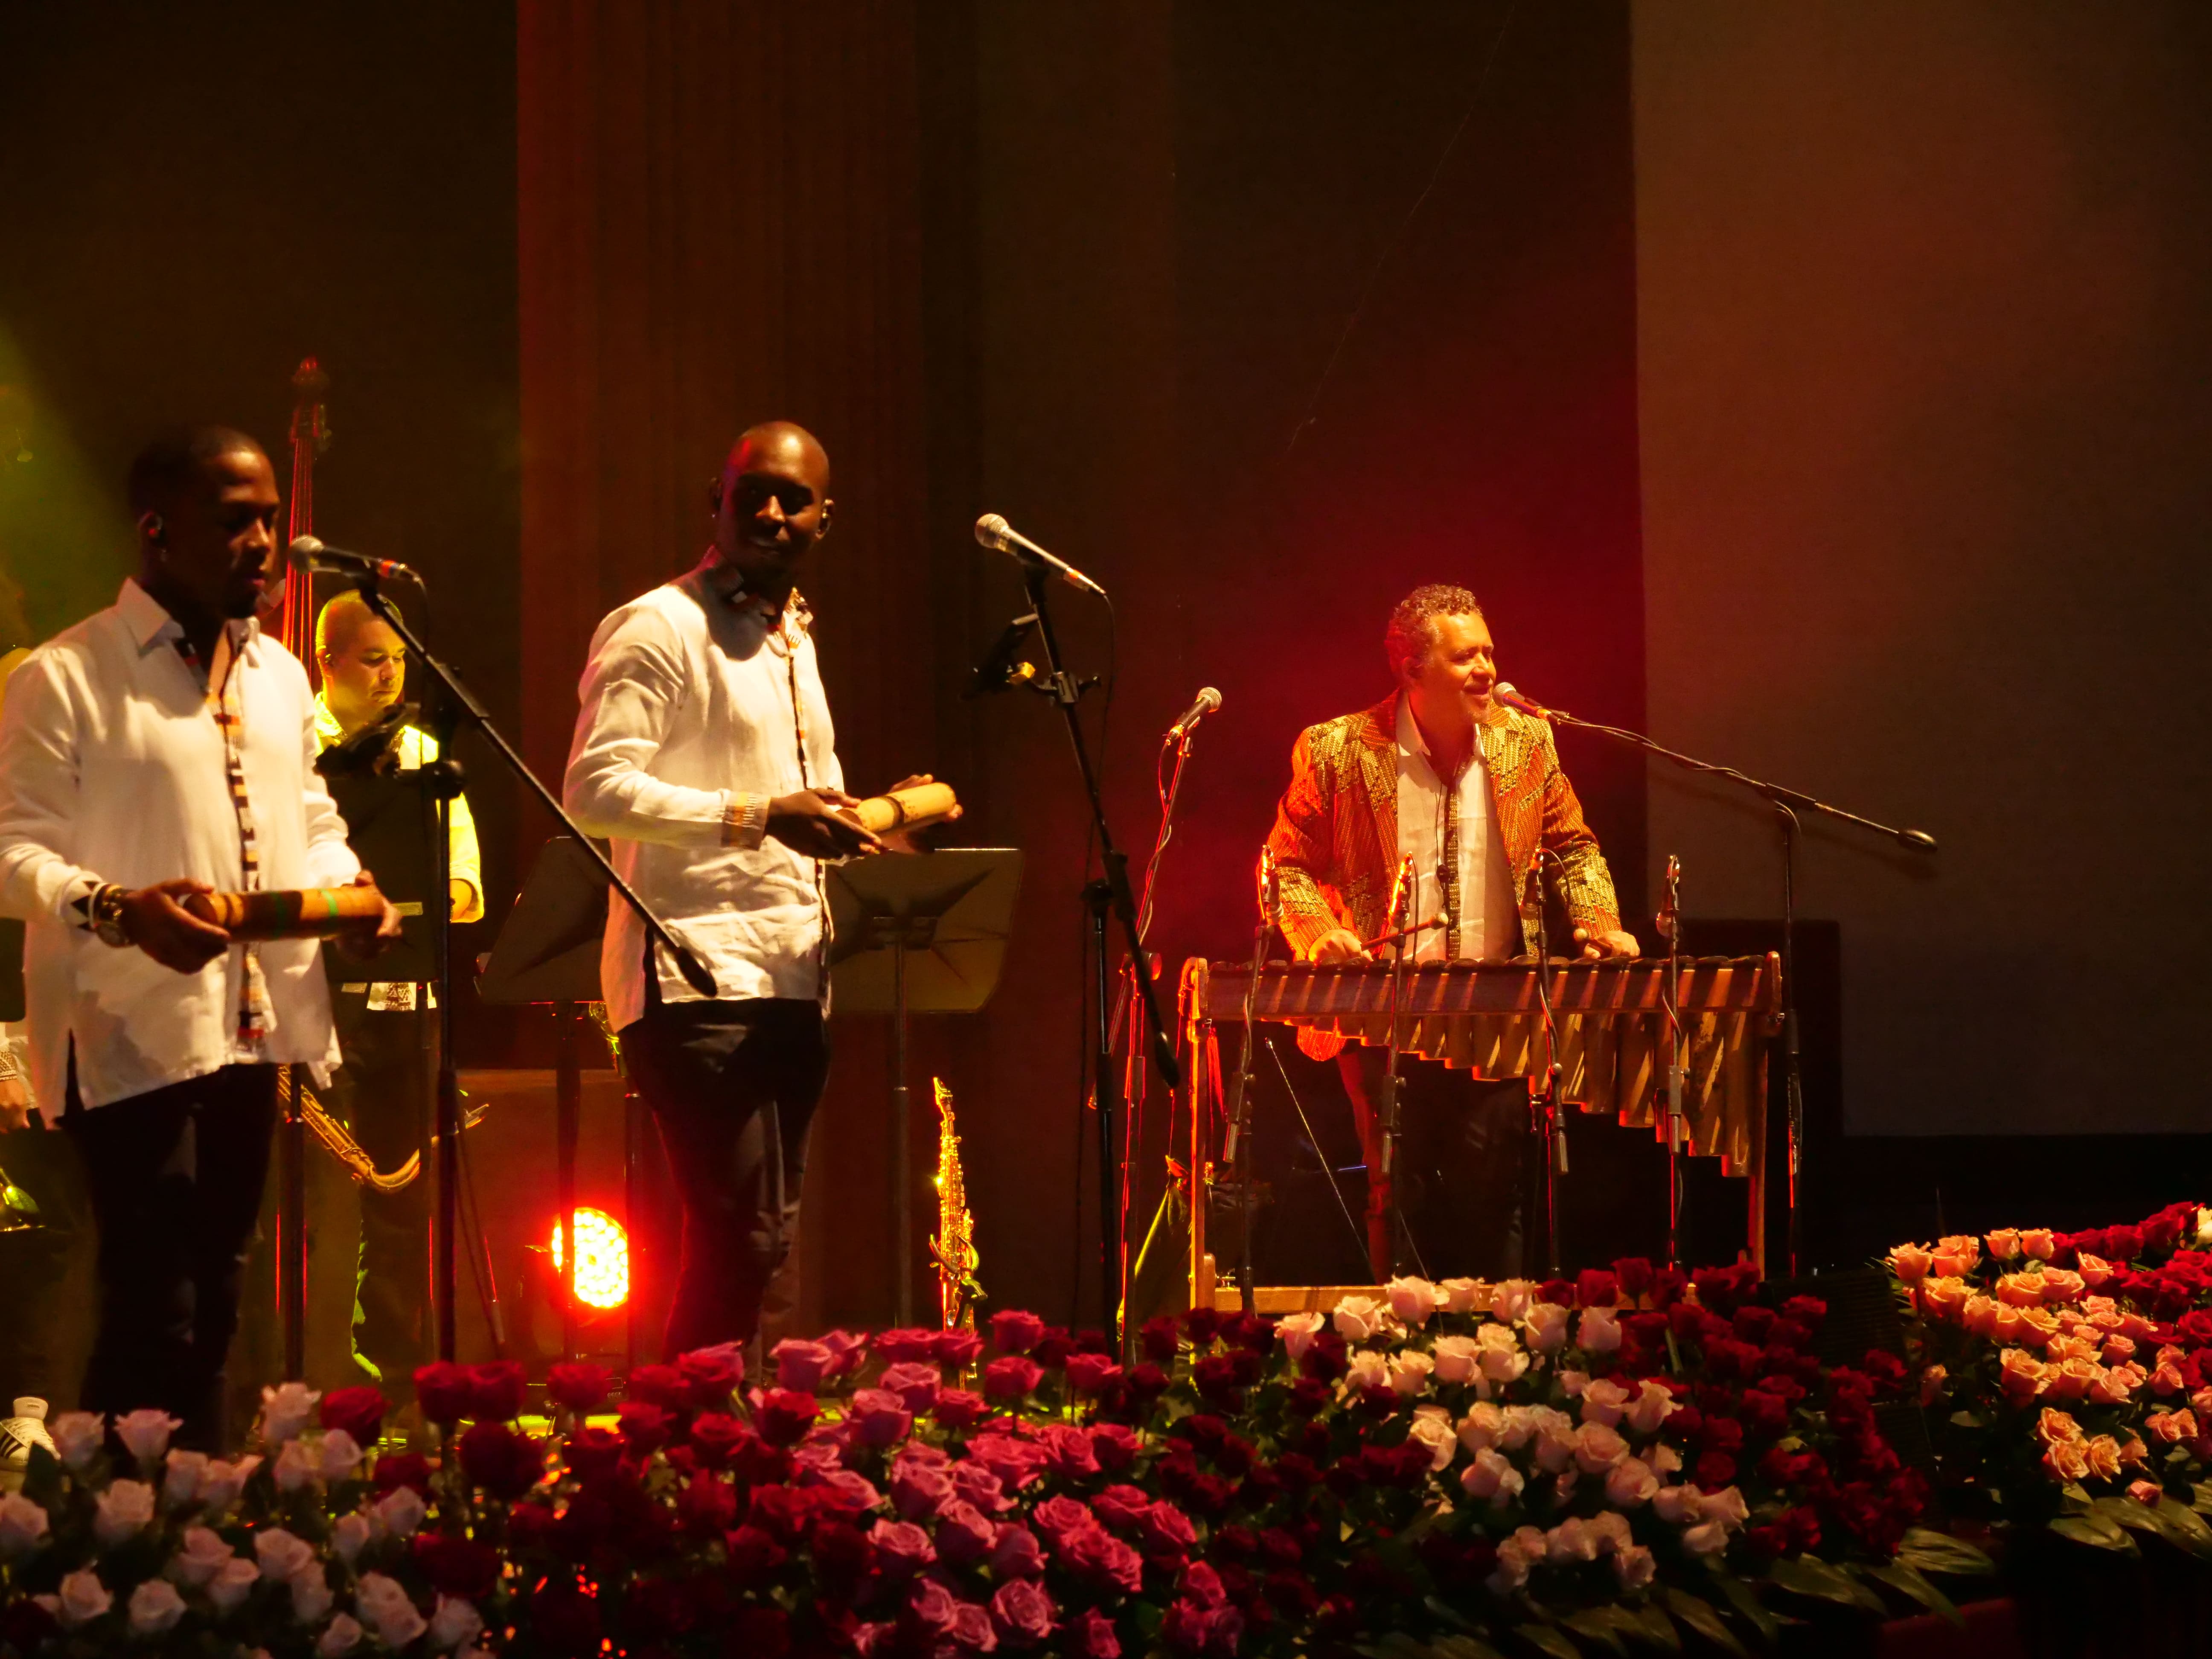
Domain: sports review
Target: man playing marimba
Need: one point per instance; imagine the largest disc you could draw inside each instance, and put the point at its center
(1471, 793)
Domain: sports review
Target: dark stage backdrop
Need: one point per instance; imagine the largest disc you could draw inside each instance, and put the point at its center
(1926, 401)
(1087, 264)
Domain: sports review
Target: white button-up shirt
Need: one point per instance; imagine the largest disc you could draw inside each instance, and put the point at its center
(696, 715)
(113, 769)
(1488, 920)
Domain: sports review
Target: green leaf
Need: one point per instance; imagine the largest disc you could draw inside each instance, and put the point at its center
(1447, 1614)
(19, 1200)
(1912, 1582)
(2185, 1527)
(2096, 1530)
(1745, 1599)
(1809, 1575)
(1549, 1638)
(2201, 1495)
(1930, 1551)
(1656, 1628)
(1592, 1623)
(1452, 1646)
(1966, 1419)
(1701, 1617)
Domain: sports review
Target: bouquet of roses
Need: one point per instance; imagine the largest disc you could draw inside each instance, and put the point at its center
(2069, 1376)
(1576, 1462)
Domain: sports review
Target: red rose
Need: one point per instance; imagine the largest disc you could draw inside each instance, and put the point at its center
(358, 1410)
(716, 1436)
(504, 1463)
(657, 1385)
(1162, 1338)
(1215, 1377)
(644, 1429)
(1011, 1377)
(564, 1620)
(753, 1555)
(1146, 1383)
(841, 1554)
(456, 1566)
(1052, 1349)
(762, 1632)
(958, 1349)
(1559, 1291)
(660, 1606)
(1768, 1541)
(1598, 1287)
(784, 1416)
(711, 1376)
(1633, 1274)
(1753, 1323)
(1808, 1310)
(530, 1527)
(398, 1469)
(1715, 1470)
(1015, 1331)
(496, 1391)
(1201, 1325)
(445, 1392)
(579, 1387)
(706, 1506)
(1091, 1373)
(595, 1453)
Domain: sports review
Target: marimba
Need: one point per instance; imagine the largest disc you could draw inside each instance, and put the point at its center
(1487, 1018)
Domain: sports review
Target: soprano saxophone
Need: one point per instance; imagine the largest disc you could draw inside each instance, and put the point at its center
(954, 1246)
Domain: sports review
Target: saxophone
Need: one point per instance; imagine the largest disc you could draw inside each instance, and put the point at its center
(336, 1140)
(954, 1246)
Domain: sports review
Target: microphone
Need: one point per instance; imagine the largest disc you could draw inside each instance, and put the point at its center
(1205, 703)
(1515, 699)
(992, 531)
(310, 553)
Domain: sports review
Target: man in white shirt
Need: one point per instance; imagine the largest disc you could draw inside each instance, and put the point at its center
(1472, 793)
(161, 748)
(704, 753)
(369, 1272)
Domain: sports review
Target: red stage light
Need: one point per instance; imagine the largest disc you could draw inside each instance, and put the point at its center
(602, 1259)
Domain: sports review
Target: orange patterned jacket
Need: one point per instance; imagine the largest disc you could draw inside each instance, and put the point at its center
(1335, 838)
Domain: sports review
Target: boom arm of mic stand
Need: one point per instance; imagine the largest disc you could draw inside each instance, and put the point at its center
(464, 703)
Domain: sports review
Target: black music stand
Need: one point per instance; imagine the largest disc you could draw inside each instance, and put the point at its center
(925, 934)
(549, 951)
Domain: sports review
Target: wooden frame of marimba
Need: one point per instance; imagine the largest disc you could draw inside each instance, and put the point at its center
(1614, 1046)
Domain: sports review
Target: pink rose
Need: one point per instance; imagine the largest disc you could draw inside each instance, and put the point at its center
(1059, 1517)
(1067, 1451)
(915, 1384)
(918, 1488)
(802, 1366)
(1092, 1373)
(1167, 1528)
(1011, 1377)
(1098, 1555)
(880, 1418)
(980, 1487)
(2146, 1491)
(1114, 1445)
(902, 1549)
(1121, 1508)
(1022, 1613)
(1015, 1331)
(934, 1605)
(1091, 1635)
(964, 1535)
(1016, 1554)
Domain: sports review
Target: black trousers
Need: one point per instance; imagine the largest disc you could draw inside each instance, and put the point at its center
(1464, 1145)
(732, 1086)
(175, 1178)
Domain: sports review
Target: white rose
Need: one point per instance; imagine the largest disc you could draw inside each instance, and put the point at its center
(1455, 1359)
(1680, 1504)
(2204, 1228)
(1665, 1461)
(1467, 1295)
(311, 1594)
(350, 1536)
(1574, 1383)
(1707, 1538)
(124, 1508)
(1653, 1405)
(1727, 1506)
(1569, 1541)
(1512, 1298)
(1413, 1299)
(1631, 1482)
(1492, 1477)
(338, 1455)
(1409, 1371)
(1547, 1327)
(145, 1434)
(296, 1465)
(280, 1553)
(1635, 1567)
(180, 1482)
(83, 1598)
(1502, 1364)
(285, 1410)
(1598, 1448)
(22, 1524)
(342, 1637)
(400, 1512)
(1516, 1425)
(386, 1605)
(1563, 1484)
(222, 1482)
(202, 1553)
(1481, 1426)
(76, 1435)
(1358, 1318)
(1598, 1332)
(1512, 1571)
(1297, 1332)
(452, 1622)
(1366, 1369)
(1610, 1528)
(1554, 1450)
(154, 1606)
(1604, 1401)
(1433, 1429)
(234, 1581)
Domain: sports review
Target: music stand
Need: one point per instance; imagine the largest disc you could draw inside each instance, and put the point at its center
(548, 951)
(925, 934)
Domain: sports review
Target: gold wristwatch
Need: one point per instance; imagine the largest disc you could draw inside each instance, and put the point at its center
(106, 915)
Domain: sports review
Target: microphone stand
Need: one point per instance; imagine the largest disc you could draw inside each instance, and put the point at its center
(1670, 1006)
(1401, 911)
(1237, 1153)
(1111, 893)
(1544, 1107)
(442, 779)
(1787, 805)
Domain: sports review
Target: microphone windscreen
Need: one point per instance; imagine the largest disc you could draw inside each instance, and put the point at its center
(990, 532)
(302, 550)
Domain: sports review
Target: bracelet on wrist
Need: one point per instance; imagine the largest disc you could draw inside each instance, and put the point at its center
(106, 915)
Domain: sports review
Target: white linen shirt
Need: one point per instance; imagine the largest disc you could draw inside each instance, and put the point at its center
(692, 716)
(113, 769)
(1489, 927)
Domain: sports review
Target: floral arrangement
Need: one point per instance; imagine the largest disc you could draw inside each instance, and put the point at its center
(2069, 1376)
(1576, 1462)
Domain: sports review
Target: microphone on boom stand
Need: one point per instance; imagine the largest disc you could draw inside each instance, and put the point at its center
(1203, 704)
(992, 531)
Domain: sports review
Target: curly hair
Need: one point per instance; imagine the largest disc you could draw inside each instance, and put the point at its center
(1406, 640)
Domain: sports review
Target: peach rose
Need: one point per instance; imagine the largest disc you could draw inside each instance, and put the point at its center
(2104, 1455)
(2067, 1461)
(2038, 1242)
(2022, 1290)
(2054, 1425)
(2036, 1325)
(1945, 1298)
(2200, 1403)
(2020, 1373)
(2117, 1348)
(1931, 1384)
(2004, 1244)
(2072, 1380)
(2134, 1453)
(2062, 1348)
(2135, 1326)
(1980, 1316)
(2060, 1284)
(1964, 1246)
(2094, 1269)
(1910, 1262)
(2167, 1380)
(2102, 1312)
(2111, 1387)
(2171, 1428)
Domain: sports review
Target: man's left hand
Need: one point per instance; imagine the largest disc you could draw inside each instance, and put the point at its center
(916, 839)
(1599, 946)
(365, 939)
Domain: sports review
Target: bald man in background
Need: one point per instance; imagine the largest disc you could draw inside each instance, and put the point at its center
(370, 1281)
